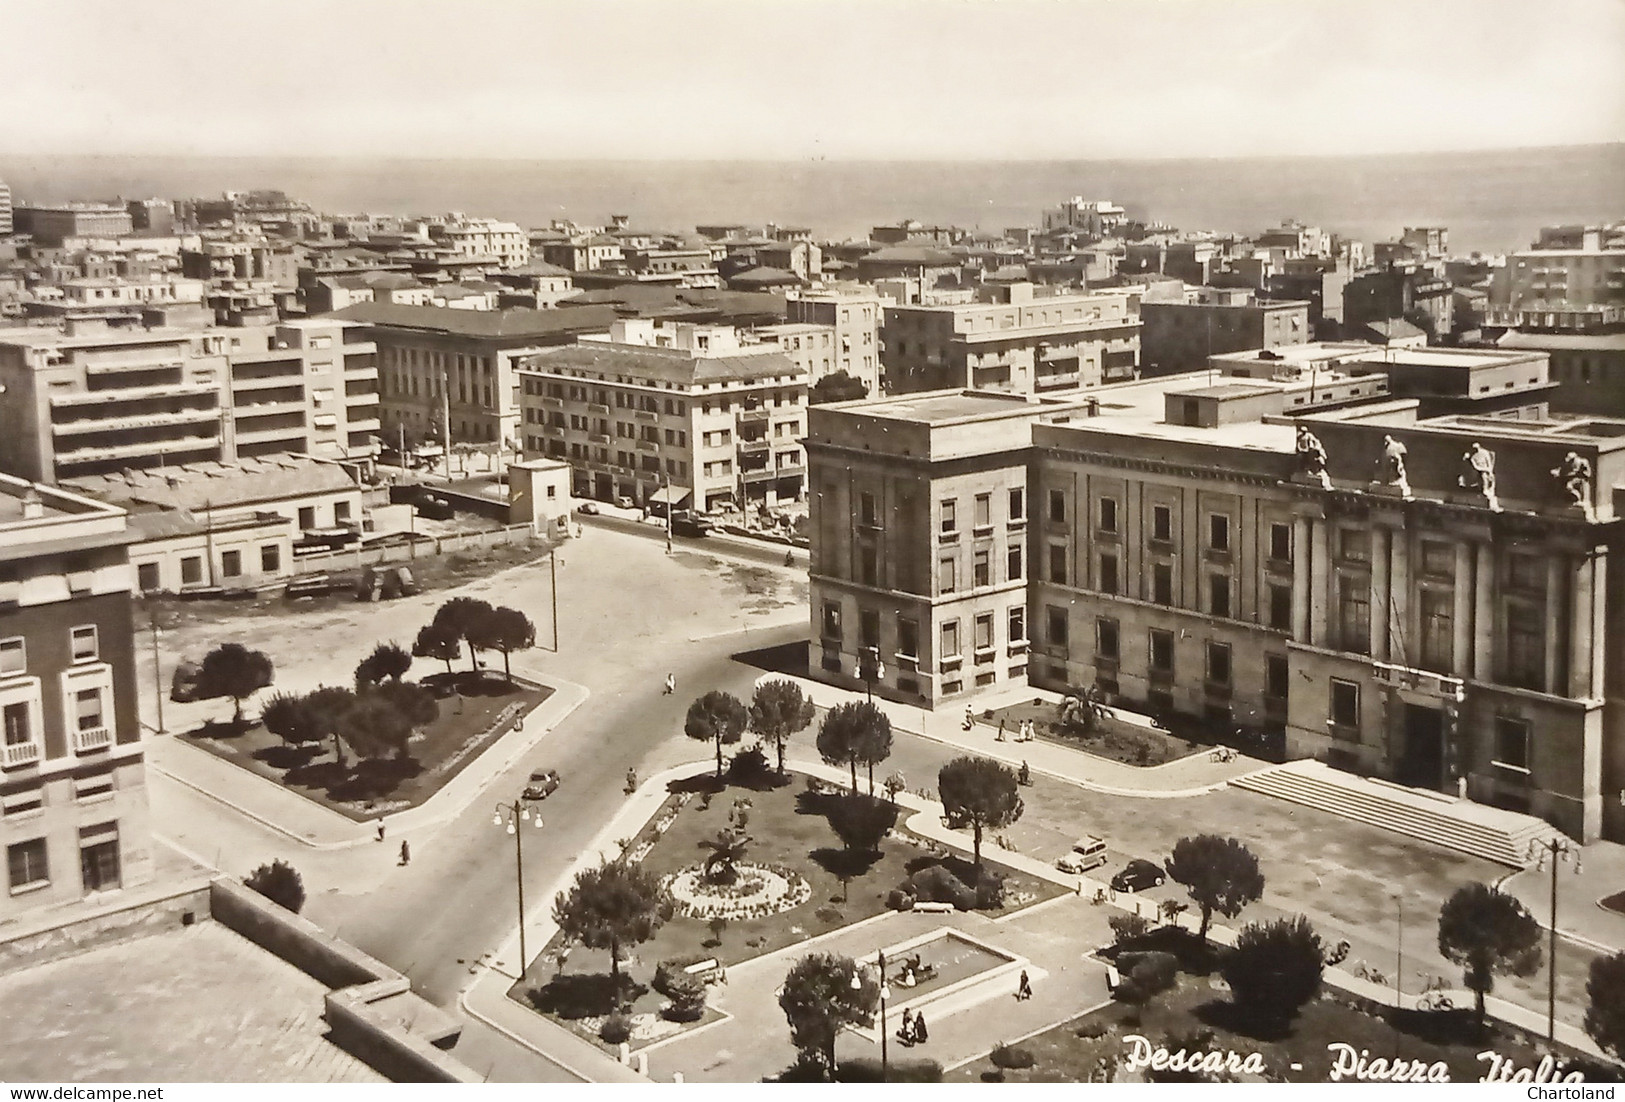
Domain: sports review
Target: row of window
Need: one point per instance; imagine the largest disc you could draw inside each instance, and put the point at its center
(83, 644)
(28, 866)
(948, 511)
(17, 719)
(908, 631)
(149, 578)
(1162, 525)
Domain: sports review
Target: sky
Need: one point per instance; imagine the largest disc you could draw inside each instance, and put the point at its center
(796, 79)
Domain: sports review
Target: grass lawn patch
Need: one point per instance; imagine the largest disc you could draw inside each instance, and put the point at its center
(788, 831)
(1111, 737)
(487, 709)
(1615, 902)
(1198, 1012)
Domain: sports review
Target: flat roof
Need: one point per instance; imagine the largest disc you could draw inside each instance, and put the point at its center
(938, 406)
(1139, 409)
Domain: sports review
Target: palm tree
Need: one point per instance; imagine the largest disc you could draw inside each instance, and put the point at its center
(1084, 708)
(727, 850)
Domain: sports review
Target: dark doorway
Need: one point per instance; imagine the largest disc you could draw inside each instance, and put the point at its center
(1421, 762)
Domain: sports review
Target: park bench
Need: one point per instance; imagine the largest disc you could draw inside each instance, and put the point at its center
(932, 908)
(1113, 977)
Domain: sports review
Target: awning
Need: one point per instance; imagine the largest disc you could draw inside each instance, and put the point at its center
(669, 495)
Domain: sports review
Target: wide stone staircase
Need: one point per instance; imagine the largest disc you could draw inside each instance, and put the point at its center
(1478, 829)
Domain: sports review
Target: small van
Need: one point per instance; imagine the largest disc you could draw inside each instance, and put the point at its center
(1087, 853)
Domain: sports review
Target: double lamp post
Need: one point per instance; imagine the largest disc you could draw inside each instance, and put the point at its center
(513, 816)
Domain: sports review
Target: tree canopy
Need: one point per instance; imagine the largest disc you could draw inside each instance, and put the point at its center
(1605, 1012)
(461, 618)
(819, 999)
(854, 734)
(387, 660)
(778, 709)
(717, 717)
(838, 386)
(438, 641)
(1486, 932)
(279, 882)
(1275, 968)
(233, 670)
(1221, 875)
(502, 629)
(290, 718)
(611, 906)
(981, 794)
(861, 822)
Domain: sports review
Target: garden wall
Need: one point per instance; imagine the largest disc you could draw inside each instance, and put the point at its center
(420, 549)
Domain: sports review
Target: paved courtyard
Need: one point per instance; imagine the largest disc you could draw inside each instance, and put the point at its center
(187, 1006)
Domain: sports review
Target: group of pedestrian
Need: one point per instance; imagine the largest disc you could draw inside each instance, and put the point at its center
(406, 850)
(1024, 732)
(912, 1031)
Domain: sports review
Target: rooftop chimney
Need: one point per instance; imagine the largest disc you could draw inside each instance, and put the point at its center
(33, 506)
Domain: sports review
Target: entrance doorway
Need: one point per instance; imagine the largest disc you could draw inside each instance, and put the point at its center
(1421, 762)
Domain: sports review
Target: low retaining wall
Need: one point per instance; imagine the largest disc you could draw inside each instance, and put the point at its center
(403, 1042)
(137, 913)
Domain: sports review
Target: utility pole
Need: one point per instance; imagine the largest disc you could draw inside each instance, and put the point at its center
(157, 671)
(553, 592)
(445, 418)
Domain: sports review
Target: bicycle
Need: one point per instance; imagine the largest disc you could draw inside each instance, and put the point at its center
(1435, 1000)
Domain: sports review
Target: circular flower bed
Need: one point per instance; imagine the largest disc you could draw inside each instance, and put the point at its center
(757, 891)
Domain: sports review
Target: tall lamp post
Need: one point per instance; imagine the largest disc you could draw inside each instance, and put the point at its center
(885, 993)
(157, 667)
(513, 816)
(870, 670)
(1554, 851)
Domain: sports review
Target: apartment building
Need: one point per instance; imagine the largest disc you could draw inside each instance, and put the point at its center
(1021, 342)
(1092, 217)
(684, 411)
(1176, 337)
(5, 209)
(50, 223)
(812, 348)
(1561, 289)
(73, 803)
(483, 239)
(1589, 368)
(453, 370)
(919, 513)
(854, 313)
(94, 398)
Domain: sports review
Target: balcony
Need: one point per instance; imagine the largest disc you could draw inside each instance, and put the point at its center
(363, 424)
(130, 394)
(645, 415)
(760, 415)
(173, 448)
(598, 437)
(20, 753)
(264, 382)
(648, 446)
(598, 407)
(265, 409)
(1427, 681)
(1057, 381)
(135, 421)
(92, 738)
(754, 447)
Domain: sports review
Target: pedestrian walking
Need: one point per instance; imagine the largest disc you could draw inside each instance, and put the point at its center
(905, 1032)
(1000, 736)
(920, 1035)
(671, 684)
(1025, 776)
(380, 830)
(1024, 989)
(970, 718)
(406, 853)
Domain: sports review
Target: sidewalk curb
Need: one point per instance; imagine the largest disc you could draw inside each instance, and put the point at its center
(1567, 935)
(433, 812)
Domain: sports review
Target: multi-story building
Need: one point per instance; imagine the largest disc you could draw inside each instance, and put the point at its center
(919, 516)
(151, 216)
(1092, 217)
(812, 348)
(1176, 337)
(451, 372)
(73, 802)
(5, 209)
(1024, 344)
(1430, 242)
(502, 243)
(1415, 587)
(50, 223)
(1418, 293)
(854, 313)
(1571, 289)
(1589, 368)
(681, 410)
(93, 398)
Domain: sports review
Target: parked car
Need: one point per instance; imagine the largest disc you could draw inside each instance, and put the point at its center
(685, 524)
(625, 502)
(543, 783)
(1138, 874)
(1087, 853)
(432, 507)
(588, 508)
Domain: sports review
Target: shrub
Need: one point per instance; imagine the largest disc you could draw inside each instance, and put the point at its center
(990, 892)
(826, 913)
(687, 994)
(1128, 927)
(279, 882)
(669, 973)
(617, 1029)
(1011, 1056)
(750, 764)
(900, 899)
(1147, 975)
(1092, 1030)
(1275, 968)
(936, 884)
(867, 1070)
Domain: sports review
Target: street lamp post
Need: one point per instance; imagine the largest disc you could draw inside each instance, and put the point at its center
(1556, 851)
(885, 993)
(513, 815)
(870, 669)
(157, 668)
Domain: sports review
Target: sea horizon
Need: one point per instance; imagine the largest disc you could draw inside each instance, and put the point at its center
(1490, 200)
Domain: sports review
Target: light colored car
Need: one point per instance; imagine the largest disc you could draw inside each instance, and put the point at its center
(1087, 853)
